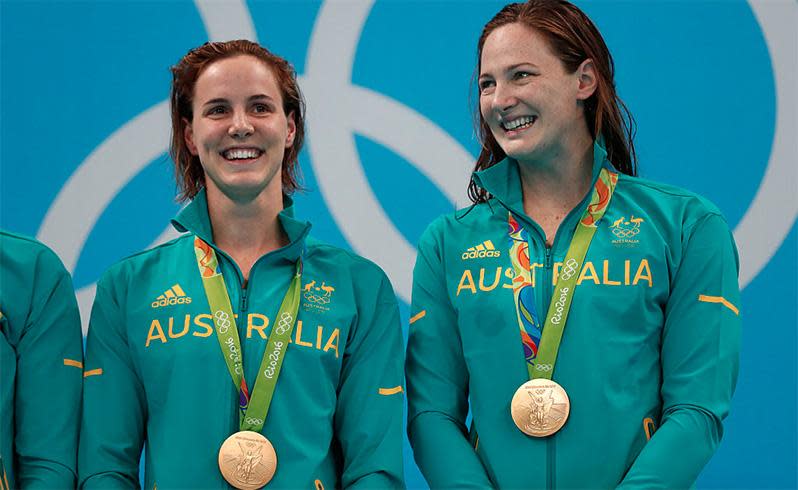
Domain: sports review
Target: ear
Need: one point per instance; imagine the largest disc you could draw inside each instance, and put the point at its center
(588, 81)
(289, 138)
(188, 137)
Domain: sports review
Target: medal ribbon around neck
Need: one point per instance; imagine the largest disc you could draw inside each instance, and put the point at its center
(541, 344)
(252, 411)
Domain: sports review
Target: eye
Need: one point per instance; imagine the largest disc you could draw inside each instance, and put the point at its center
(486, 85)
(261, 108)
(216, 110)
(521, 74)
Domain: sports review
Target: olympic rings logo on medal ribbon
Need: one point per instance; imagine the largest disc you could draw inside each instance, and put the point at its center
(569, 268)
(284, 323)
(253, 421)
(543, 367)
(73, 214)
(222, 321)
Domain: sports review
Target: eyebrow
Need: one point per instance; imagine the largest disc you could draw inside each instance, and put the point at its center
(512, 67)
(222, 100)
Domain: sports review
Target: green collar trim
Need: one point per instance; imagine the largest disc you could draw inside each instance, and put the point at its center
(503, 180)
(194, 219)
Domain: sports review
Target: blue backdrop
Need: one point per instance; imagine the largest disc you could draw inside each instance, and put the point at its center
(84, 132)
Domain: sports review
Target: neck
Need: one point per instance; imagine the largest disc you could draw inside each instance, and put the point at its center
(552, 187)
(246, 229)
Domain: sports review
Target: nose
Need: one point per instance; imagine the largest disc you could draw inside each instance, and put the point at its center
(240, 126)
(504, 98)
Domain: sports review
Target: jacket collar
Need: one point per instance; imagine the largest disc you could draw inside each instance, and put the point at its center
(194, 219)
(503, 180)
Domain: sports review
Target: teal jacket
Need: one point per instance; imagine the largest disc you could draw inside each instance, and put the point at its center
(649, 355)
(155, 372)
(41, 367)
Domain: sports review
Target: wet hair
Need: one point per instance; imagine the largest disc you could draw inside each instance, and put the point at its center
(188, 171)
(573, 38)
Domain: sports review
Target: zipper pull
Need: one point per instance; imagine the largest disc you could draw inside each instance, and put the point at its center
(243, 301)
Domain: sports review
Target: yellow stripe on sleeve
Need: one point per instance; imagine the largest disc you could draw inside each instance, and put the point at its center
(73, 363)
(418, 316)
(649, 427)
(93, 372)
(390, 391)
(719, 299)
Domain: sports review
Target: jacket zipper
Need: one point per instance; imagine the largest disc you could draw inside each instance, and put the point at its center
(547, 292)
(243, 306)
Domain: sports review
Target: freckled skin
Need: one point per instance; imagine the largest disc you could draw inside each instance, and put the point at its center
(521, 76)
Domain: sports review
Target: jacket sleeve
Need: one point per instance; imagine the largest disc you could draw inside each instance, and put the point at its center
(437, 381)
(700, 359)
(114, 409)
(368, 416)
(49, 381)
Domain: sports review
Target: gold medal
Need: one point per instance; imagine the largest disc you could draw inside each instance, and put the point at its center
(247, 460)
(540, 407)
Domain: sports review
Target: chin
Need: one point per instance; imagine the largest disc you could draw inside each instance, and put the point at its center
(241, 188)
(527, 151)
(517, 153)
(519, 149)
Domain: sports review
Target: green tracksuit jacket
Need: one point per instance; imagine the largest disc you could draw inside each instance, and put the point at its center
(155, 371)
(652, 342)
(41, 367)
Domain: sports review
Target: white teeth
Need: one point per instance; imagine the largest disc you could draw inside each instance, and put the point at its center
(241, 153)
(519, 122)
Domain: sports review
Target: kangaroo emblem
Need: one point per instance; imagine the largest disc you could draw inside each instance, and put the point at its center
(309, 285)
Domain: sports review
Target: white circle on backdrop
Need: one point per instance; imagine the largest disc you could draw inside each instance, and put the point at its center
(333, 122)
(336, 163)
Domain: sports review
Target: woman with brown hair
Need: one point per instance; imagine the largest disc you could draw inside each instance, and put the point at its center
(588, 319)
(244, 352)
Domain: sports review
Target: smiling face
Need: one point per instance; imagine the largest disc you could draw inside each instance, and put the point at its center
(239, 129)
(531, 104)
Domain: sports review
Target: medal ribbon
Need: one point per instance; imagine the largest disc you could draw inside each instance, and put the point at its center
(252, 411)
(542, 344)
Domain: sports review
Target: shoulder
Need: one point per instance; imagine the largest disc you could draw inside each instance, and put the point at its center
(457, 225)
(26, 262)
(682, 207)
(148, 259)
(23, 249)
(340, 261)
(34, 283)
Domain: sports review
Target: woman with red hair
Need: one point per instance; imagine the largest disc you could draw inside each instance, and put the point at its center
(586, 318)
(244, 352)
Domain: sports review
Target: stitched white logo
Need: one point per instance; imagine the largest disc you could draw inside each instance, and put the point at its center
(569, 268)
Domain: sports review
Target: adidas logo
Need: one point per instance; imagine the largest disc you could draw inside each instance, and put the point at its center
(484, 249)
(172, 296)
